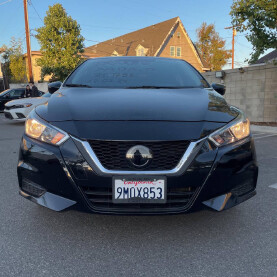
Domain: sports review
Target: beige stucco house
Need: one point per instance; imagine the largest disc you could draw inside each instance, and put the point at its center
(165, 39)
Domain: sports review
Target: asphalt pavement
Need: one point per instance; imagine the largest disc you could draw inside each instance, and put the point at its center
(35, 241)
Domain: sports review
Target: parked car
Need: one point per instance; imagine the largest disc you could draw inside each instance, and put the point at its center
(11, 94)
(137, 135)
(19, 109)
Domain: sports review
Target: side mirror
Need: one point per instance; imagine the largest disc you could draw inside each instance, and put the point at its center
(219, 88)
(52, 87)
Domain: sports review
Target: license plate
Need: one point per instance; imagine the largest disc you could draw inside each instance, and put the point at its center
(139, 189)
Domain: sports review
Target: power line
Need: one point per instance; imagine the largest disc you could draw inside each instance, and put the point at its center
(243, 45)
(5, 2)
(236, 36)
(30, 3)
(106, 27)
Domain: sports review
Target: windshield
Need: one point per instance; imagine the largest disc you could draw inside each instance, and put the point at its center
(4, 92)
(136, 73)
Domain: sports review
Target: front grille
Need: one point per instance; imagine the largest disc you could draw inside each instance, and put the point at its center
(8, 115)
(112, 154)
(177, 198)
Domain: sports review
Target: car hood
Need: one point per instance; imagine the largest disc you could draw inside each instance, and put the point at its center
(94, 104)
(34, 101)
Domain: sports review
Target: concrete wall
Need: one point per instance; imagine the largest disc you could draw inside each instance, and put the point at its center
(41, 86)
(254, 91)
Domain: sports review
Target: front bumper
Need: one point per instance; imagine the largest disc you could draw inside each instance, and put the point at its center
(218, 178)
(16, 114)
(49, 200)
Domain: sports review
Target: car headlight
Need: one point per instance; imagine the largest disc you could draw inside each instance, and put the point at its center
(37, 129)
(21, 106)
(236, 130)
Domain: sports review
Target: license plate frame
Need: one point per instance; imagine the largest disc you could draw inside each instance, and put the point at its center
(139, 200)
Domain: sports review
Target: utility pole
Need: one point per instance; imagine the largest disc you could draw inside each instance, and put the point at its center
(28, 43)
(233, 43)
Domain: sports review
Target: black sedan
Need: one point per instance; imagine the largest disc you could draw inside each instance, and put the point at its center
(12, 94)
(137, 135)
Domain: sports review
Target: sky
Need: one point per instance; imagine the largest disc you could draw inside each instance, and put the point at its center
(102, 20)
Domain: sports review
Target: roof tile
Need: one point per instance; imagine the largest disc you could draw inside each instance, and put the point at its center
(150, 37)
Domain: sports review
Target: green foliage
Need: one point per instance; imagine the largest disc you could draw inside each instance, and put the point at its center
(211, 47)
(5, 60)
(259, 19)
(14, 64)
(61, 43)
(17, 63)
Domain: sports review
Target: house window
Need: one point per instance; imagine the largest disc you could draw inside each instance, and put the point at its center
(178, 35)
(140, 52)
(172, 51)
(178, 52)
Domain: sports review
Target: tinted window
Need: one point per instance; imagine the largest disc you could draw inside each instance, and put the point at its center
(136, 72)
(4, 92)
(19, 92)
(10, 93)
(16, 93)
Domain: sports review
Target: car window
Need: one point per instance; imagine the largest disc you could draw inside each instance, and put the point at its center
(4, 92)
(10, 93)
(136, 72)
(20, 91)
(17, 92)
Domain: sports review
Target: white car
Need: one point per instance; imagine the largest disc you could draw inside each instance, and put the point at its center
(19, 109)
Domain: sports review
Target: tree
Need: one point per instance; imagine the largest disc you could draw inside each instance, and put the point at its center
(61, 43)
(211, 47)
(259, 18)
(13, 61)
(17, 63)
(5, 61)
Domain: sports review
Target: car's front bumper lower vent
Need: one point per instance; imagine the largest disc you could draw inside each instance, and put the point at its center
(100, 198)
(32, 188)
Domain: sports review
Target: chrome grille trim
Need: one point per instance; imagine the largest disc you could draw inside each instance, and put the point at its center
(87, 152)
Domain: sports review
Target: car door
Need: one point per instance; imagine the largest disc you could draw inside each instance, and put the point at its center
(13, 94)
(6, 98)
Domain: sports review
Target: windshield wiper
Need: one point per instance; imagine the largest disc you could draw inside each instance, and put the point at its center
(153, 87)
(77, 85)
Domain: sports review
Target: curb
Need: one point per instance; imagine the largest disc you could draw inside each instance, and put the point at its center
(264, 129)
